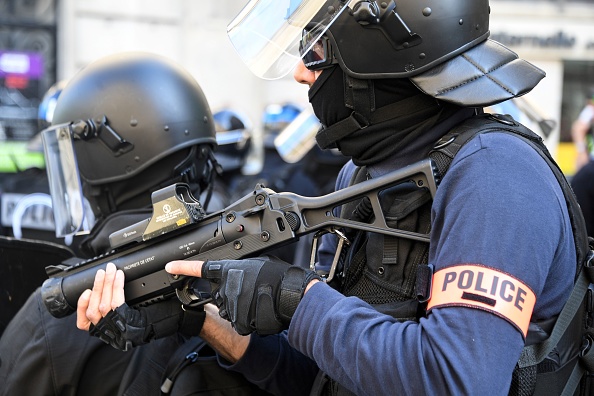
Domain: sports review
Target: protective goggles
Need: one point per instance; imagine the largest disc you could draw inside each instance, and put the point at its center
(320, 55)
(269, 35)
(72, 213)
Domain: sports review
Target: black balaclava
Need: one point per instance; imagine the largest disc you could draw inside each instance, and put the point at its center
(410, 114)
(193, 166)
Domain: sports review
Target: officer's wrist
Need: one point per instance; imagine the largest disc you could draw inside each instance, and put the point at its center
(310, 284)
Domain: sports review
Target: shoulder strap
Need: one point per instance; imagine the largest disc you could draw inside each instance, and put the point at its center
(443, 154)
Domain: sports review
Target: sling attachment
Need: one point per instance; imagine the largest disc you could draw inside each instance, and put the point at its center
(357, 210)
(342, 241)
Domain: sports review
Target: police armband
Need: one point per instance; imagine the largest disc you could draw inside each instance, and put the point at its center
(488, 289)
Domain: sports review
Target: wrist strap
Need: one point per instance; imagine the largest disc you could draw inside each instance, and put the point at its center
(292, 289)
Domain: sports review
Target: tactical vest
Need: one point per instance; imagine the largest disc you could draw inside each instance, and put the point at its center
(392, 275)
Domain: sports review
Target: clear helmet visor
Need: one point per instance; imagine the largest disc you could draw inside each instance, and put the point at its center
(72, 214)
(239, 137)
(272, 36)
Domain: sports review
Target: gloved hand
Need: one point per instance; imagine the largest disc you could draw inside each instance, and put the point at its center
(259, 294)
(125, 327)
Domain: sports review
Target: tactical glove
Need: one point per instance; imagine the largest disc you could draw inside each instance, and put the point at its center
(127, 327)
(259, 294)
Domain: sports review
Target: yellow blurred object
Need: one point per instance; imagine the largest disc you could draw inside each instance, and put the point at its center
(566, 155)
(14, 157)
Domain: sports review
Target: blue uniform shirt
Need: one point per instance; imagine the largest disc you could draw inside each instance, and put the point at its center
(500, 206)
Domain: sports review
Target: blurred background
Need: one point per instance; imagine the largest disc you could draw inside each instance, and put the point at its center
(46, 41)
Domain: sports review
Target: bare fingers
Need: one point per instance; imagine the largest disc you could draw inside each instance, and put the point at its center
(82, 322)
(118, 297)
(107, 294)
(185, 267)
(93, 313)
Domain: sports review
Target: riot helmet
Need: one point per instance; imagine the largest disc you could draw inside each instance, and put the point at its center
(234, 139)
(441, 45)
(125, 126)
(275, 118)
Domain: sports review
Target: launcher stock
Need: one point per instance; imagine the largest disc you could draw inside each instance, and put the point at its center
(179, 230)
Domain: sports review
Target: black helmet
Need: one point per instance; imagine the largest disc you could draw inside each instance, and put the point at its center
(144, 108)
(234, 138)
(394, 39)
(138, 122)
(441, 45)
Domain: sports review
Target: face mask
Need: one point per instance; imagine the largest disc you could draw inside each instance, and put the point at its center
(326, 96)
(385, 137)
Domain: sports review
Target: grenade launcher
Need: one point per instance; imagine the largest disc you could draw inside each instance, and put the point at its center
(180, 230)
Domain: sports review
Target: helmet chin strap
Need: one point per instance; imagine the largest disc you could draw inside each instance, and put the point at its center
(359, 95)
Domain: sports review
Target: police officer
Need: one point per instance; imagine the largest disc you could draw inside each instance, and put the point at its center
(388, 80)
(147, 125)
